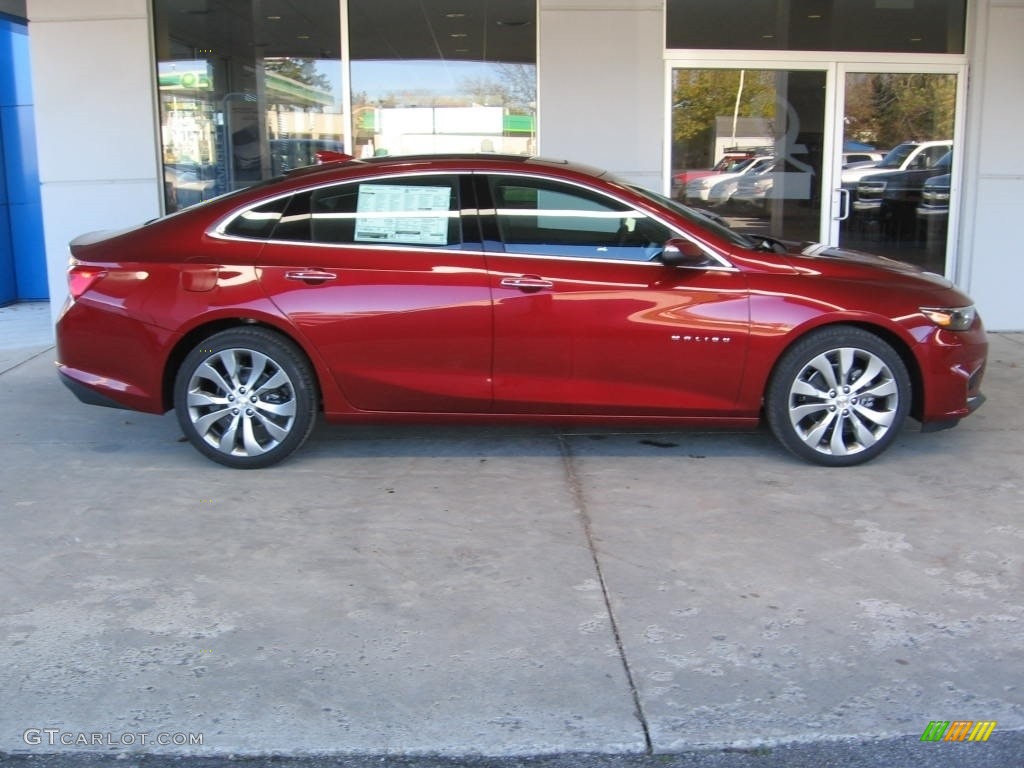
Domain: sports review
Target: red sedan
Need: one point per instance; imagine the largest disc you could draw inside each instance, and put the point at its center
(503, 288)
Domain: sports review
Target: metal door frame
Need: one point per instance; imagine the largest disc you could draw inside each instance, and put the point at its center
(836, 66)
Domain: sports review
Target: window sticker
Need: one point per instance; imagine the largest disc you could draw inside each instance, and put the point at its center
(412, 215)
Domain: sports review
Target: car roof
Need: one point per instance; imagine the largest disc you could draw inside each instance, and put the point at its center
(932, 143)
(442, 162)
(346, 170)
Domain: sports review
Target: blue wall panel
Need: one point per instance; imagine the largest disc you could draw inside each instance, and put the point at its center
(22, 251)
(20, 157)
(8, 287)
(29, 252)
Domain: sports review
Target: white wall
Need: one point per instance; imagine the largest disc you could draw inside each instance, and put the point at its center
(95, 121)
(991, 247)
(601, 96)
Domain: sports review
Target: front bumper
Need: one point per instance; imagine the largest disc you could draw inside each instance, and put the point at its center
(953, 373)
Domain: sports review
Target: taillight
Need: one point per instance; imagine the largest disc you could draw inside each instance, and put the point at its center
(82, 277)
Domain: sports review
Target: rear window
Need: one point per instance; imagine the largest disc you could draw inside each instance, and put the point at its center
(258, 223)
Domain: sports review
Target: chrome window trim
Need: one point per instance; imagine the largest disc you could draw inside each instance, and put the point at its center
(598, 260)
(217, 229)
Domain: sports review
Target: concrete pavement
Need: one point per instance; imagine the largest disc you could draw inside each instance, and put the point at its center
(503, 592)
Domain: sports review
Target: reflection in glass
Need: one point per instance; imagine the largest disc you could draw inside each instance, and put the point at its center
(248, 90)
(747, 146)
(912, 116)
(432, 79)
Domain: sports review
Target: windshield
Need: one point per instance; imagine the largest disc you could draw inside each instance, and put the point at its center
(732, 165)
(703, 220)
(896, 156)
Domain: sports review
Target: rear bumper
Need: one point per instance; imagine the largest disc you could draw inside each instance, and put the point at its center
(87, 394)
(106, 358)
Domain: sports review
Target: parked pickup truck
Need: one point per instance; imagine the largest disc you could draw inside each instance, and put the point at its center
(889, 193)
(910, 155)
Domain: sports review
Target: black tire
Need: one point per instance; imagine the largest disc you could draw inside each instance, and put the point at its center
(246, 398)
(838, 397)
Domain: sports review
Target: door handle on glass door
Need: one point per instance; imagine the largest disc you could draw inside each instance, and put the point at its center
(844, 204)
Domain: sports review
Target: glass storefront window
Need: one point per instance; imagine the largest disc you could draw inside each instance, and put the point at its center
(747, 147)
(897, 26)
(248, 89)
(433, 77)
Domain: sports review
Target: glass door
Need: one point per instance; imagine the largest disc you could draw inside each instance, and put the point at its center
(858, 155)
(896, 174)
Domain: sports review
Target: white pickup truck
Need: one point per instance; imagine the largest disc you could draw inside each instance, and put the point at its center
(910, 155)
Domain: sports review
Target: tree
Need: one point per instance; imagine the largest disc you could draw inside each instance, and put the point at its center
(514, 87)
(700, 96)
(886, 109)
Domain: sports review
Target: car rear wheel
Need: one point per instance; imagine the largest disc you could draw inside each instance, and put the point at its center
(246, 398)
(838, 397)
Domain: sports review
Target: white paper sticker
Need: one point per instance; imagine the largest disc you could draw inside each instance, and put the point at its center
(412, 215)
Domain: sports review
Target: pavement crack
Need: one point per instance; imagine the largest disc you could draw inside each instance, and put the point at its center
(580, 502)
(26, 361)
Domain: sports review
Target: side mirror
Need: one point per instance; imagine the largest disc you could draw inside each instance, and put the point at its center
(682, 253)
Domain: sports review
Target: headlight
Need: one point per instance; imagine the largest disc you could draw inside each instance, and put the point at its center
(951, 318)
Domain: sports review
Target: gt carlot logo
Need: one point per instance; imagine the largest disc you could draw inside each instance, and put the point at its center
(53, 737)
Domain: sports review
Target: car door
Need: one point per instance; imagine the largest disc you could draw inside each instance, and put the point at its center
(587, 321)
(386, 279)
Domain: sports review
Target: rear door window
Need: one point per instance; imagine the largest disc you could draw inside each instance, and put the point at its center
(415, 211)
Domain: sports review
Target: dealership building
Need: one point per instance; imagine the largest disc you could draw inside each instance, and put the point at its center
(113, 112)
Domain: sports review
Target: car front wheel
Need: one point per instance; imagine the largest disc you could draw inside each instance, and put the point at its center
(838, 397)
(246, 398)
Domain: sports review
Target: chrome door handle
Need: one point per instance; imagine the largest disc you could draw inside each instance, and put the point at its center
(526, 283)
(844, 205)
(310, 275)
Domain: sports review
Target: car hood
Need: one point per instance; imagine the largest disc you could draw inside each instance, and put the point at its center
(852, 175)
(842, 262)
(938, 181)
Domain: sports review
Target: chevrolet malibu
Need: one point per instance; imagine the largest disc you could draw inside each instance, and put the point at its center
(497, 288)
